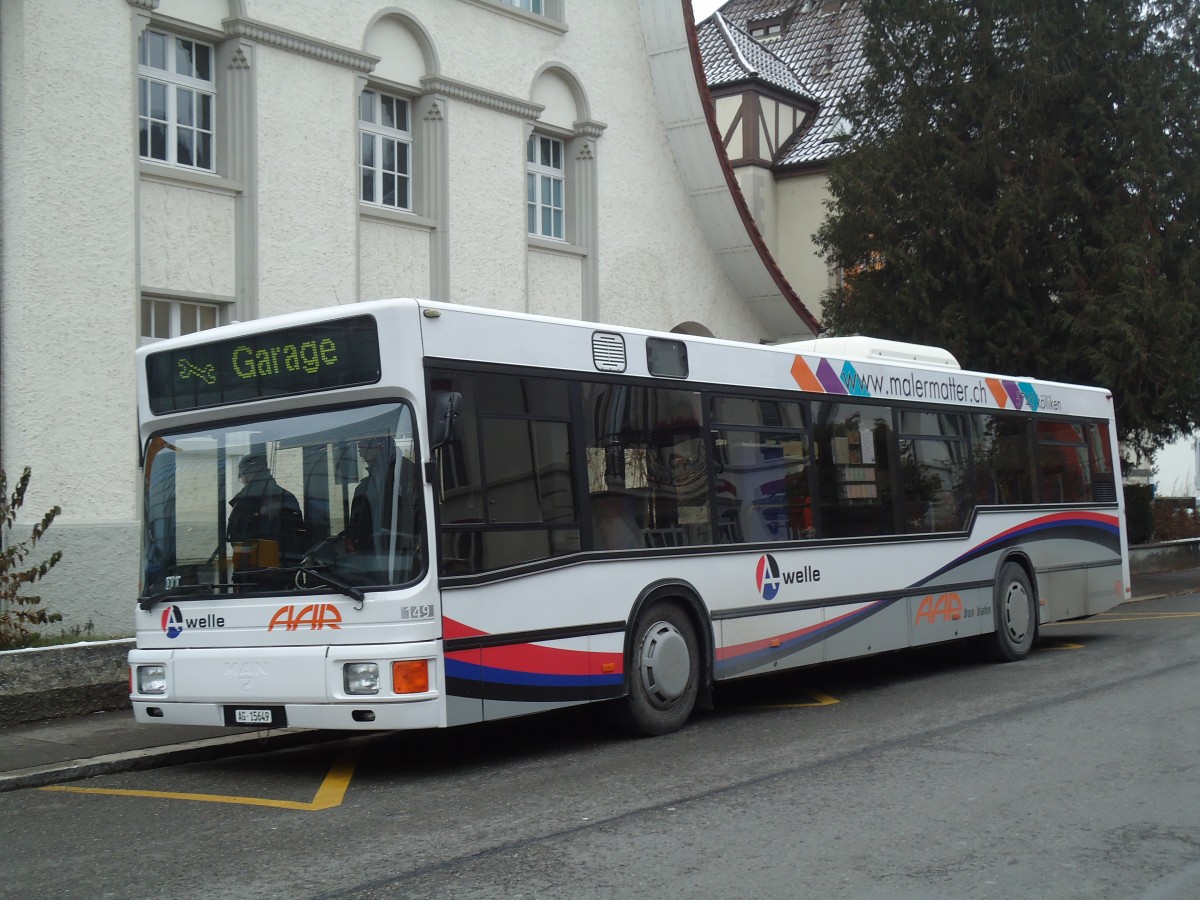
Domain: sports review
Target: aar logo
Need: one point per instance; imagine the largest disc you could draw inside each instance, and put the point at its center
(946, 608)
(313, 617)
(172, 621)
(767, 577)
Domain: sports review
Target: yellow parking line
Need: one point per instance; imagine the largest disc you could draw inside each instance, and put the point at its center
(331, 793)
(818, 700)
(1116, 617)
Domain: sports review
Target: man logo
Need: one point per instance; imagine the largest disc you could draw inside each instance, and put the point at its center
(172, 621)
(767, 577)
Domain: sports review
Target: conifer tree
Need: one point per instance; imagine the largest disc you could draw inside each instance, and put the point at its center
(1020, 183)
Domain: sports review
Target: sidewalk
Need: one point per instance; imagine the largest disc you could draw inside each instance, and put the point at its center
(67, 749)
(102, 743)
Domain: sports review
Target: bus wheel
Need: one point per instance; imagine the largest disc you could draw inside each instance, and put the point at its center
(1015, 612)
(664, 680)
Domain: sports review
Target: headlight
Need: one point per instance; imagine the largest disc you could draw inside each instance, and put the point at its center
(152, 679)
(361, 678)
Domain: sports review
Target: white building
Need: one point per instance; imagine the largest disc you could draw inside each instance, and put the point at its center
(170, 165)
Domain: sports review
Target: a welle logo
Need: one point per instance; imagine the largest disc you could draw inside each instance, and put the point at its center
(771, 579)
(174, 623)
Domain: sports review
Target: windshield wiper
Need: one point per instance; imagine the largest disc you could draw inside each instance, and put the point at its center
(148, 603)
(313, 572)
(328, 580)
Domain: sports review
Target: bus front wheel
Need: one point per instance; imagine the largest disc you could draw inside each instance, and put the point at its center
(1015, 612)
(664, 676)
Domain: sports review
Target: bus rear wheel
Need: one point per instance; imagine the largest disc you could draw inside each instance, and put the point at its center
(1015, 611)
(664, 676)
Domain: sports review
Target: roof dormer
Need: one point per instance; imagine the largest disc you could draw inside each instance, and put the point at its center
(760, 101)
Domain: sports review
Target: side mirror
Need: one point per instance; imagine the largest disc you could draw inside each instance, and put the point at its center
(444, 415)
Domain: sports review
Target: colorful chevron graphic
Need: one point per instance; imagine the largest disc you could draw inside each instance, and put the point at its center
(819, 376)
(1017, 393)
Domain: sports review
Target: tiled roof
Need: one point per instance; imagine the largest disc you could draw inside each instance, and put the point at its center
(731, 55)
(821, 44)
(722, 64)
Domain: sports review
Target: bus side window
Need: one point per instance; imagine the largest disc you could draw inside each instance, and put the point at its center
(853, 466)
(762, 462)
(933, 464)
(506, 490)
(1003, 461)
(647, 467)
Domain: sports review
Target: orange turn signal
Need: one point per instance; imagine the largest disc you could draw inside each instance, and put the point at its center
(410, 676)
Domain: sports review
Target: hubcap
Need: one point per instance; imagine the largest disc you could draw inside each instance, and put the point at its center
(1016, 611)
(665, 663)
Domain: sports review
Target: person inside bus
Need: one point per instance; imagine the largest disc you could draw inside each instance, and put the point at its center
(372, 504)
(266, 527)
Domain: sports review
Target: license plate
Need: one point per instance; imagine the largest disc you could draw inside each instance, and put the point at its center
(252, 716)
(273, 716)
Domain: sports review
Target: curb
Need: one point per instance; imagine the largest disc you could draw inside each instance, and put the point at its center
(66, 680)
(203, 750)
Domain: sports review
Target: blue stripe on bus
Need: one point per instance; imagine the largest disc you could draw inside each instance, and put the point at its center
(489, 674)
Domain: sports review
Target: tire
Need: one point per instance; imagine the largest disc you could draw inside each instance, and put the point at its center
(1014, 610)
(664, 672)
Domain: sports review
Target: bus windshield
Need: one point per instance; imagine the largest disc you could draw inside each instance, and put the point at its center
(317, 501)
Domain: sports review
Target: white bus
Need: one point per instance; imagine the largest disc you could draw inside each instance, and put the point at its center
(406, 514)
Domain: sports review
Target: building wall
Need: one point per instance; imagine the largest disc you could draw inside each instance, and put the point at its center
(393, 259)
(487, 208)
(88, 229)
(306, 174)
(175, 220)
(799, 211)
(788, 211)
(758, 187)
(68, 291)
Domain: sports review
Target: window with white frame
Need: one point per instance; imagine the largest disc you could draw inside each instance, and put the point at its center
(537, 7)
(176, 100)
(545, 183)
(163, 318)
(385, 150)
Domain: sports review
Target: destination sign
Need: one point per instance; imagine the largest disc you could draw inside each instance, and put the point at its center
(318, 357)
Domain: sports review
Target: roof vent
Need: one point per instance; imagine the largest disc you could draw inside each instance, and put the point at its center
(877, 350)
(608, 351)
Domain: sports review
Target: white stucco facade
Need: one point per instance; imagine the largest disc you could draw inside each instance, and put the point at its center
(795, 207)
(92, 232)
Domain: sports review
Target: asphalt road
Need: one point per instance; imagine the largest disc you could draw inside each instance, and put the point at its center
(1075, 773)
